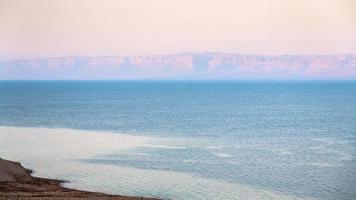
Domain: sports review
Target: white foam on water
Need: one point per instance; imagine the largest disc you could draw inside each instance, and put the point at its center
(55, 153)
(222, 155)
(283, 153)
(323, 164)
(345, 156)
(163, 146)
(326, 141)
(215, 147)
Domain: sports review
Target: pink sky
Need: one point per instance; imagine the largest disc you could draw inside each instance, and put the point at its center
(42, 28)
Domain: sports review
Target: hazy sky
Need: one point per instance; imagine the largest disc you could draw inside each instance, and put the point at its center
(125, 27)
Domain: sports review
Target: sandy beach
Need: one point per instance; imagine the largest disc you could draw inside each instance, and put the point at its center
(16, 182)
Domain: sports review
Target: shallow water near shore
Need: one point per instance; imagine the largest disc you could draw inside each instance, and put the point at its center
(186, 140)
(89, 164)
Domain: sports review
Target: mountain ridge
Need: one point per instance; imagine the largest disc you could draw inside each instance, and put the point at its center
(206, 65)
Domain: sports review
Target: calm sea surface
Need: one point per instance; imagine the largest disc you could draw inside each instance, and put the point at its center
(293, 138)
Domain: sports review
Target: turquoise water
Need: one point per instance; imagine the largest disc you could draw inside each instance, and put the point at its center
(293, 137)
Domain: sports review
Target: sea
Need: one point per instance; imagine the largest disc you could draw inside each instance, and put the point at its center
(189, 140)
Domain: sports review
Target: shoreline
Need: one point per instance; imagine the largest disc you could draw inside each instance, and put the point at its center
(17, 182)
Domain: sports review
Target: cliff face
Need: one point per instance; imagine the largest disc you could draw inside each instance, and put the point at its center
(204, 65)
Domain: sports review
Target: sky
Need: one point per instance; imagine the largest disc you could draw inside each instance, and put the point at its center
(53, 28)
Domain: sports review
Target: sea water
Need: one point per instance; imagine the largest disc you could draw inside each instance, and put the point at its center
(186, 139)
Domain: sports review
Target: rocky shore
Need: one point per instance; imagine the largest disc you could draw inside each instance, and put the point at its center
(16, 182)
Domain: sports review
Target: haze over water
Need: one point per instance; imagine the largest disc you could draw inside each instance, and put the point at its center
(187, 139)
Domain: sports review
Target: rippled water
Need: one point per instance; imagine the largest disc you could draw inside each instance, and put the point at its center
(187, 140)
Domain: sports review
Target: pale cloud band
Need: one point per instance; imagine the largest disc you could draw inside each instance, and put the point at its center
(48, 28)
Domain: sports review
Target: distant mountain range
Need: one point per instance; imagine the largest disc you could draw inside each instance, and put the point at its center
(184, 66)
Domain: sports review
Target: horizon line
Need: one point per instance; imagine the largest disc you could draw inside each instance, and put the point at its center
(172, 54)
(296, 80)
